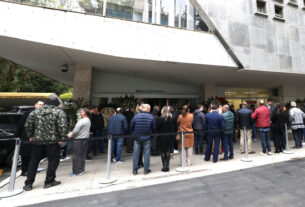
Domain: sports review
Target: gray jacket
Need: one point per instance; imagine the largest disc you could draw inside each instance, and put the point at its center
(296, 116)
(81, 129)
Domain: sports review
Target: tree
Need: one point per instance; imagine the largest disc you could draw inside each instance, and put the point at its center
(16, 78)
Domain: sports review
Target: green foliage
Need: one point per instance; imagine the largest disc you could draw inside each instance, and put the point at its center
(128, 101)
(15, 78)
(66, 96)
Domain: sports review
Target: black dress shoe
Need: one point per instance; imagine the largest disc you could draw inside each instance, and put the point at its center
(28, 187)
(134, 172)
(54, 183)
(147, 171)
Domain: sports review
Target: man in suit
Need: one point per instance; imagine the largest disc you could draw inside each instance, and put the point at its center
(214, 122)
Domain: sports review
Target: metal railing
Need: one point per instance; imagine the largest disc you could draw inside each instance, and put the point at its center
(150, 12)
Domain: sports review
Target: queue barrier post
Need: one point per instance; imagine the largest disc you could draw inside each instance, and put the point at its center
(11, 189)
(287, 150)
(182, 157)
(246, 158)
(108, 178)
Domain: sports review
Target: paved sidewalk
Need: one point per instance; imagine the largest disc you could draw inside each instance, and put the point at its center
(88, 183)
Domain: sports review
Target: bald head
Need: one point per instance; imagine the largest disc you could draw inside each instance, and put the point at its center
(245, 104)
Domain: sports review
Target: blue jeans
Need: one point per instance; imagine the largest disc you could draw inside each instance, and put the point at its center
(98, 143)
(210, 138)
(253, 131)
(137, 145)
(198, 141)
(303, 135)
(117, 144)
(297, 135)
(265, 139)
(227, 144)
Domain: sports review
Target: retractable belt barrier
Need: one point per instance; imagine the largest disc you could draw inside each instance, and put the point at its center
(12, 191)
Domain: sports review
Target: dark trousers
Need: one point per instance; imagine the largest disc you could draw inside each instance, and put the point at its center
(297, 135)
(53, 154)
(227, 144)
(279, 141)
(25, 161)
(154, 146)
(198, 141)
(210, 139)
(98, 144)
(129, 145)
(79, 156)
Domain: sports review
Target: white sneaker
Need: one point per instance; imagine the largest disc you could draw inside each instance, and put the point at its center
(269, 153)
(176, 152)
(263, 153)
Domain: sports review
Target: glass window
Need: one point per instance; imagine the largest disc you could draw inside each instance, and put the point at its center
(200, 24)
(164, 11)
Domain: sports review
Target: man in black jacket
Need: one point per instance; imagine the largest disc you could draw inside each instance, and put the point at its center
(98, 131)
(244, 120)
(26, 148)
(198, 124)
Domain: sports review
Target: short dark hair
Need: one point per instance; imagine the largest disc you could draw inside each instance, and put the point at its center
(199, 106)
(214, 106)
(269, 99)
(52, 101)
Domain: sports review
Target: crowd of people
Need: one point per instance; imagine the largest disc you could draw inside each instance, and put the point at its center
(214, 126)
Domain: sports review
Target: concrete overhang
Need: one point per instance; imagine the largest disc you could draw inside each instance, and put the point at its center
(43, 39)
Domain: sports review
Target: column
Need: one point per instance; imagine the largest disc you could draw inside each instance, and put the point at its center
(153, 12)
(82, 82)
(171, 15)
(158, 12)
(209, 90)
(146, 11)
(190, 16)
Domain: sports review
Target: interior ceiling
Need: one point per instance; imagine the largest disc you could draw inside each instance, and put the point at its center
(47, 59)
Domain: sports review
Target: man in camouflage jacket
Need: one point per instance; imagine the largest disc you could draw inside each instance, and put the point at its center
(43, 126)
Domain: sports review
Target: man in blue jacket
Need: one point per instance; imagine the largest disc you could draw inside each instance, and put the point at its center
(117, 125)
(215, 123)
(142, 123)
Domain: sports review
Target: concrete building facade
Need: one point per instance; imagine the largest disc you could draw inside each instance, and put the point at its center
(167, 49)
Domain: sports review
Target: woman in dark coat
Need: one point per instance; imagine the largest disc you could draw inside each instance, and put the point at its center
(278, 128)
(166, 124)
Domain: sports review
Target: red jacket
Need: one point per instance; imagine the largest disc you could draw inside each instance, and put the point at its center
(262, 116)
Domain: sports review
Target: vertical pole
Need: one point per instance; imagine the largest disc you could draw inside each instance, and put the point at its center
(246, 158)
(104, 7)
(11, 190)
(182, 151)
(108, 177)
(246, 142)
(287, 151)
(14, 167)
(182, 168)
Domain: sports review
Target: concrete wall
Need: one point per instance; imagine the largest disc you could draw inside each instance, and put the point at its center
(259, 42)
